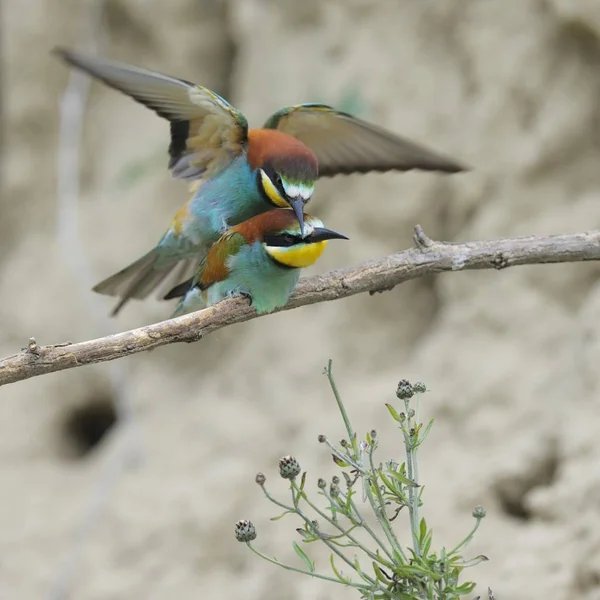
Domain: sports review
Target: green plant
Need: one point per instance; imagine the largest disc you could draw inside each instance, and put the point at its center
(383, 569)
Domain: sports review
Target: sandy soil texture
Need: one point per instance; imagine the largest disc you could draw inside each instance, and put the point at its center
(511, 88)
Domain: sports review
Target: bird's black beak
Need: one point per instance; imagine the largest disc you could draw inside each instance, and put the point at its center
(297, 205)
(320, 234)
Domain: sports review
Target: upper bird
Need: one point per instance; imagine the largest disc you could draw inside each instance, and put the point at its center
(260, 258)
(239, 172)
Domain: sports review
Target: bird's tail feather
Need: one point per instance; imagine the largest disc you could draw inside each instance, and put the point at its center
(137, 280)
(183, 274)
(179, 290)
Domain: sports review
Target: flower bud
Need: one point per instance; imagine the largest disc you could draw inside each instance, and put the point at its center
(479, 512)
(289, 468)
(404, 390)
(245, 531)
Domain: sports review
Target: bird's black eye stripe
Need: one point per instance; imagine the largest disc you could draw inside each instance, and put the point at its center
(275, 178)
(282, 239)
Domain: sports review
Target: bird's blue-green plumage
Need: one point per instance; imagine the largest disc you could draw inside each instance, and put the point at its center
(251, 273)
(227, 199)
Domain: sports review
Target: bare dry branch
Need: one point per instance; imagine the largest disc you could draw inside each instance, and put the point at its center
(373, 276)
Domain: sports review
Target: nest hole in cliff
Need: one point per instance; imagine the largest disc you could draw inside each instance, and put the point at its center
(86, 425)
(512, 491)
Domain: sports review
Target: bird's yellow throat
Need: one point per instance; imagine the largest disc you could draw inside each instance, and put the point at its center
(271, 191)
(303, 255)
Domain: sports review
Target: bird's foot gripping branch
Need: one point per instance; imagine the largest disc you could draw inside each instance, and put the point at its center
(399, 562)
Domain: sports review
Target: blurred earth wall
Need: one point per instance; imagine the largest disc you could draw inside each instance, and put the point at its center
(512, 358)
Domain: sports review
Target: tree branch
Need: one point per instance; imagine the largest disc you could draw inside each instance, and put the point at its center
(372, 276)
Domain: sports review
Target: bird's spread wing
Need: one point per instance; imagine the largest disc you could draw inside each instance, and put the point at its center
(207, 133)
(346, 144)
(213, 267)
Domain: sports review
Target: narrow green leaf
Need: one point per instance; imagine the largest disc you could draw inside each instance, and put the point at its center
(425, 433)
(403, 479)
(379, 573)
(339, 462)
(422, 530)
(287, 512)
(387, 483)
(394, 413)
(362, 575)
(307, 536)
(336, 572)
(426, 544)
(347, 504)
(465, 588)
(384, 561)
(408, 570)
(304, 557)
(302, 482)
(474, 561)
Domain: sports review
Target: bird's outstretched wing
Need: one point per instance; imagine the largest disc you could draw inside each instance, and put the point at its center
(346, 144)
(207, 133)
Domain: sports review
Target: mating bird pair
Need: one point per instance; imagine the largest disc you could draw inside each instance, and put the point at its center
(245, 221)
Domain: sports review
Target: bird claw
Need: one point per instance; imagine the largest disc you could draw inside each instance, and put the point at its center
(238, 294)
(246, 296)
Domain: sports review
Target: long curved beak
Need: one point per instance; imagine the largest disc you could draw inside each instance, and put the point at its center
(320, 234)
(297, 205)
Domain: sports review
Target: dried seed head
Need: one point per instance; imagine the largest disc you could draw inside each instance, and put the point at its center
(321, 483)
(335, 480)
(289, 467)
(322, 439)
(245, 531)
(419, 387)
(479, 512)
(404, 390)
(260, 479)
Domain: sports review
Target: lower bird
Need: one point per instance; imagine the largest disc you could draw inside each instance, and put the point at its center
(260, 259)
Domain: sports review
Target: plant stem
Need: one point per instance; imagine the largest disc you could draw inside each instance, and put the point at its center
(358, 586)
(345, 533)
(379, 510)
(385, 522)
(413, 499)
(350, 431)
(370, 531)
(332, 547)
(275, 501)
(467, 539)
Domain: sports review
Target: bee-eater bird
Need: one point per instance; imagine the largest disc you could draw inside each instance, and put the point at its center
(237, 172)
(260, 258)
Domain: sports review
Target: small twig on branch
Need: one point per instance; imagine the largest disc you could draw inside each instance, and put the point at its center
(372, 276)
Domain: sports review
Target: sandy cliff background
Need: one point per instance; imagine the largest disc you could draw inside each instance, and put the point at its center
(139, 501)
